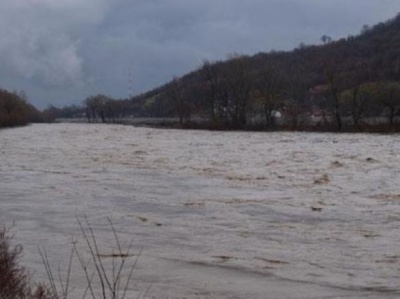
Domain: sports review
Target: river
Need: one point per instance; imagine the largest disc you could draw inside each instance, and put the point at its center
(215, 214)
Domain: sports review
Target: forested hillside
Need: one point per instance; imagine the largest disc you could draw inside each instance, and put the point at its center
(344, 85)
(337, 84)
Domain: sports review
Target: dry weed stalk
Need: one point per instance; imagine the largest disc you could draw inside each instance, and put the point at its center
(114, 283)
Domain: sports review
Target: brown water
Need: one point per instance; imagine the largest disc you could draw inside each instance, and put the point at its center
(218, 214)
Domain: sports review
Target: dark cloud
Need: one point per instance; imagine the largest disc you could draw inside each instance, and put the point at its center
(62, 51)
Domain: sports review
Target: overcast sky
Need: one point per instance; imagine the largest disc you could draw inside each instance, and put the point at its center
(61, 51)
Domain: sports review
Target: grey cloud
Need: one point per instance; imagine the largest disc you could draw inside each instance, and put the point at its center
(62, 51)
(40, 39)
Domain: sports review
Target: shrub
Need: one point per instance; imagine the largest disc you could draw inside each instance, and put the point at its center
(15, 279)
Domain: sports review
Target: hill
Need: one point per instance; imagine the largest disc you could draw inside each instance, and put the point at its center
(343, 80)
(348, 84)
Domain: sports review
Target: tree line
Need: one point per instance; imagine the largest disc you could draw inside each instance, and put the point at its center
(286, 95)
(16, 111)
(344, 85)
(349, 84)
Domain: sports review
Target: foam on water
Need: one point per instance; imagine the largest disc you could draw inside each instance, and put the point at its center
(293, 215)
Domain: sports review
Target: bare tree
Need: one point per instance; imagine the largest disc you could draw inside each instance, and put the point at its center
(357, 100)
(236, 85)
(388, 94)
(175, 93)
(100, 107)
(298, 85)
(334, 81)
(326, 39)
(270, 89)
(211, 76)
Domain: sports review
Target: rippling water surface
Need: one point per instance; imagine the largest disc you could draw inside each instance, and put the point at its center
(217, 214)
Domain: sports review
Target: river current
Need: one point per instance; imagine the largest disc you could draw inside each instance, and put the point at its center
(215, 214)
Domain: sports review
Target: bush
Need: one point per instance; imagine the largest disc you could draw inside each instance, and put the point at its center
(15, 279)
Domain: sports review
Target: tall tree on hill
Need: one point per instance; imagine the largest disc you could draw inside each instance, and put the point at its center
(270, 89)
(236, 86)
(298, 83)
(175, 94)
(388, 93)
(211, 77)
(356, 97)
(335, 81)
(357, 100)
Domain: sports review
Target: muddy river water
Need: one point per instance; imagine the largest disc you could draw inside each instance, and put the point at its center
(215, 214)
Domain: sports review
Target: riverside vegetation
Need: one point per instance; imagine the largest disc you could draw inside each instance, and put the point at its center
(16, 111)
(350, 84)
